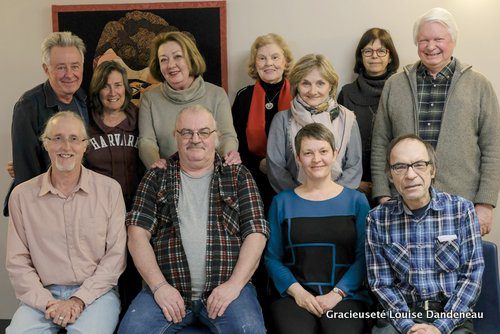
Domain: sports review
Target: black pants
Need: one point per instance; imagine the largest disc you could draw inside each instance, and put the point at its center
(289, 318)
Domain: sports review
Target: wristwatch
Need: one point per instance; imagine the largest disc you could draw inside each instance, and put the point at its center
(339, 292)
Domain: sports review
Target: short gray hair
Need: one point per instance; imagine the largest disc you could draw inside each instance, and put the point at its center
(439, 15)
(61, 39)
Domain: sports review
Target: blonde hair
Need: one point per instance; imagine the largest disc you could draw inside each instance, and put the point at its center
(263, 40)
(306, 64)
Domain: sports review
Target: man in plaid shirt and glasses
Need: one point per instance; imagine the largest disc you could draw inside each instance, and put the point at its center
(196, 233)
(423, 248)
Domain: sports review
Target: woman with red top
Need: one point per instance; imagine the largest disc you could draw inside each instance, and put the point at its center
(255, 106)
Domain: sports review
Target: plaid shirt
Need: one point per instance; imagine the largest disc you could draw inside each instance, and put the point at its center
(432, 95)
(235, 211)
(407, 263)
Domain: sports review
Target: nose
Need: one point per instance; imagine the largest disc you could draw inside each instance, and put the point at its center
(196, 137)
(410, 173)
(374, 54)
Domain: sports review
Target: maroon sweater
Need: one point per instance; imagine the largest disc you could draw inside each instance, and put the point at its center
(112, 151)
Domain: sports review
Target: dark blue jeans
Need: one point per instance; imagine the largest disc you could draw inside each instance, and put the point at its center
(243, 315)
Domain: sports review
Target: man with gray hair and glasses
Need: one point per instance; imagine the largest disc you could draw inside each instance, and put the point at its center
(62, 62)
(66, 240)
(423, 249)
(450, 106)
(196, 233)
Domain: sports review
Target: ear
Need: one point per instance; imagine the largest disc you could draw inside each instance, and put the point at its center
(433, 172)
(389, 176)
(45, 68)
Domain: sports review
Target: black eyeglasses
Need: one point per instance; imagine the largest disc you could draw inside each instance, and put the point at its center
(418, 166)
(189, 134)
(382, 52)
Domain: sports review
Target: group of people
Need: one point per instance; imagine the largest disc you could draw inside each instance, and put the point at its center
(200, 191)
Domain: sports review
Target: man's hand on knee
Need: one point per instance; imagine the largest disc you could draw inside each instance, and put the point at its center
(171, 303)
(221, 297)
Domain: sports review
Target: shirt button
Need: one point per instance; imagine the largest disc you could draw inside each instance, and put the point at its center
(434, 85)
(432, 104)
(428, 124)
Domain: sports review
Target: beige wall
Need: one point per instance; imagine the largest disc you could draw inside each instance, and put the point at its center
(320, 26)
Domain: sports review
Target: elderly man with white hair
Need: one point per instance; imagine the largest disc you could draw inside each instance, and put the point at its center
(450, 106)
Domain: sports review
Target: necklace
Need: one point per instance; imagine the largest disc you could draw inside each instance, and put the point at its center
(270, 104)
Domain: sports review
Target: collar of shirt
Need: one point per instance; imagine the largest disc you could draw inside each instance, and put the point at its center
(446, 72)
(47, 186)
(436, 204)
(51, 98)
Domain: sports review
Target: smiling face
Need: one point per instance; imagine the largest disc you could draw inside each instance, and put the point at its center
(66, 157)
(112, 96)
(174, 66)
(374, 64)
(270, 63)
(316, 158)
(65, 71)
(314, 89)
(435, 46)
(413, 186)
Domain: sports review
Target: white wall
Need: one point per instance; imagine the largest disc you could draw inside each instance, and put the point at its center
(319, 26)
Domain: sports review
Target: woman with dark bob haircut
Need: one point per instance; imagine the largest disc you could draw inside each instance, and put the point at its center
(112, 148)
(376, 61)
(176, 62)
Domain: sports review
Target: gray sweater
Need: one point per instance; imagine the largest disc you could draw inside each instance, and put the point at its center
(160, 107)
(468, 148)
(281, 165)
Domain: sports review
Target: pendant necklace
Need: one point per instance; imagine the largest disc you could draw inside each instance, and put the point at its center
(270, 104)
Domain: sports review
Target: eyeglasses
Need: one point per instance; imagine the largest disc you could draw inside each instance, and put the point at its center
(418, 166)
(382, 52)
(72, 140)
(189, 134)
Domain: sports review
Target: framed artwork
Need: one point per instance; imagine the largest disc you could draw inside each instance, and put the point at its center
(124, 32)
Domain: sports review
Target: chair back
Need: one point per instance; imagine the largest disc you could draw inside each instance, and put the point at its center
(489, 299)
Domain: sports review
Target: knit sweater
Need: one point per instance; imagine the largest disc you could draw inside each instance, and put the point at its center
(160, 107)
(468, 148)
(362, 97)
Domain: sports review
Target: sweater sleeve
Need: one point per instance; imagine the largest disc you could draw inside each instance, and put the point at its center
(224, 119)
(277, 172)
(353, 278)
(382, 135)
(149, 151)
(273, 257)
(489, 139)
(352, 168)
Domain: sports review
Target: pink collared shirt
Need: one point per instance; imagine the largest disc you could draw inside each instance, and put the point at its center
(78, 239)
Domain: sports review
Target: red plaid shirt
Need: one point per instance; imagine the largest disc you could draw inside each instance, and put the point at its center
(235, 211)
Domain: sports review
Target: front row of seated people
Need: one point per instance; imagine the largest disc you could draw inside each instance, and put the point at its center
(197, 231)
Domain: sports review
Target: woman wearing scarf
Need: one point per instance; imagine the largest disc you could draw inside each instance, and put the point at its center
(255, 106)
(313, 84)
(376, 61)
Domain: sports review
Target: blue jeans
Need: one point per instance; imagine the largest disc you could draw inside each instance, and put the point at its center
(243, 315)
(99, 317)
